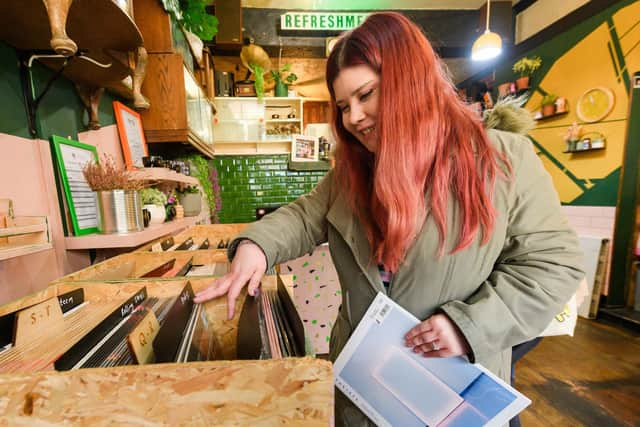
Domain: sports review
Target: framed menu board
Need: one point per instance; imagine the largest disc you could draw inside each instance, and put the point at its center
(82, 204)
(134, 145)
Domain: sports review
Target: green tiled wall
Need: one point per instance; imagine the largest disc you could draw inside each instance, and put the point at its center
(247, 182)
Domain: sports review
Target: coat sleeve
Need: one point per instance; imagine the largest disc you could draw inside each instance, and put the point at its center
(292, 230)
(537, 271)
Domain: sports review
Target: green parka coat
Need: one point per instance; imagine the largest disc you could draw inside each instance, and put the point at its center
(498, 294)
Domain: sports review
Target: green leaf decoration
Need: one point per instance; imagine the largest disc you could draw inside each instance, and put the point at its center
(196, 19)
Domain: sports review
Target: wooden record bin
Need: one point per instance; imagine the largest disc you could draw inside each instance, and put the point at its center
(134, 265)
(214, 233)
(287, 391)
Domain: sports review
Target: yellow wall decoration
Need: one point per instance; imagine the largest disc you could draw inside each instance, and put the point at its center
(604, 57)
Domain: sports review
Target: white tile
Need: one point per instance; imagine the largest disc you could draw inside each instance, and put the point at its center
(595, 232)
(571, 210)
(580, 221)
(602, 222)
(609, 211)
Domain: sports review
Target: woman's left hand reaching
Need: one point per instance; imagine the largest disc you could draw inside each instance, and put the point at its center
(437, 336)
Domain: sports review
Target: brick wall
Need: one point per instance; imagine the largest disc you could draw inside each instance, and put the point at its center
(247, 182)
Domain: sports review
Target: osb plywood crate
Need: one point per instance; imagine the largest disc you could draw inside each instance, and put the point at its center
(284, 392)
(41, 333)
(290, 391)
(135, 265)
(216, 234)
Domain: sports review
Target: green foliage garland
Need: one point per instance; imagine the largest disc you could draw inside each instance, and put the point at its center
(201, 170)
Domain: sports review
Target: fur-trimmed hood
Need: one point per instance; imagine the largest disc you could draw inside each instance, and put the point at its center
(508, 115)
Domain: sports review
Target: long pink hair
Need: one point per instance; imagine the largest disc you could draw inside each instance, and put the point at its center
(430, 143)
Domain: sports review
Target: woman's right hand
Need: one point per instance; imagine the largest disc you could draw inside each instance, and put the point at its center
(248, 266)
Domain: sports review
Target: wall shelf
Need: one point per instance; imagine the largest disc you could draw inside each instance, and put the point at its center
(320, 165)
(102, 241)
(230, 148)
(584, 150)
(538, 116)
(24, 236)
(163, 174)
(243, 125)
(282, 121)
(93, 56)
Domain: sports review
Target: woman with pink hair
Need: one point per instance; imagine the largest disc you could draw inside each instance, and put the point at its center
(458, 224)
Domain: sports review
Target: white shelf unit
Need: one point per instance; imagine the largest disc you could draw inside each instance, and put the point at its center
(244, 125)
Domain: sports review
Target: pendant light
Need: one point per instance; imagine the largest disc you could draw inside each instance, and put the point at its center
(489, 44)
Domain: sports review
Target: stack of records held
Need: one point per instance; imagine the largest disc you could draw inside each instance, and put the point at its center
(280, 332)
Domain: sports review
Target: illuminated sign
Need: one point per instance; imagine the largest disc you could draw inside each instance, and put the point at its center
(321, 21)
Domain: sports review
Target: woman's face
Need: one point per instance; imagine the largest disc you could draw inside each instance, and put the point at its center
(356, 89)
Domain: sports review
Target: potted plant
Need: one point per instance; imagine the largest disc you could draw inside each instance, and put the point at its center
(282, 83)
(119, 203)
(572, 136)
(504, 89)
(548, 104)
(525, 67)
(154, 201)
(190, 199)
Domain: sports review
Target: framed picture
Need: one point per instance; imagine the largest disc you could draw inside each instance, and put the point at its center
(304, 148)
(134, 146)
(81, 201)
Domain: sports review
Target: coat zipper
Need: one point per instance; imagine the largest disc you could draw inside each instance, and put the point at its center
(346, 297)
(393, 278)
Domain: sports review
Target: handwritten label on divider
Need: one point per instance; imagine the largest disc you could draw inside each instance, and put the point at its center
(37, 321)
(141, 338)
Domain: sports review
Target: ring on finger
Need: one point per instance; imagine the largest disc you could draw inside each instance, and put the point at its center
(435, 346)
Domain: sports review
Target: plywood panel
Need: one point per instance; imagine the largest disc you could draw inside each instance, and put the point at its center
(273, 392)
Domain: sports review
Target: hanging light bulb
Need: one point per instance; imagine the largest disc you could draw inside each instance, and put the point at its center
(489, 44)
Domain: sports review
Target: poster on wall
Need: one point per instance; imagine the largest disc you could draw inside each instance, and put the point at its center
(71, 156)
(134, 145)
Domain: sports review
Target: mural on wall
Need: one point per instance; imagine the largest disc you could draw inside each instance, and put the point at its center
(605, 57)
(316, 293)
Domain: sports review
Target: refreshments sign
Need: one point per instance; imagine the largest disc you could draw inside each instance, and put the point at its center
(321, 21)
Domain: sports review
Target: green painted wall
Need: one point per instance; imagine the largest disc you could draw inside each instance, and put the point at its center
(13, 117)
(247, 182)
(61, 112)
(600, 51)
